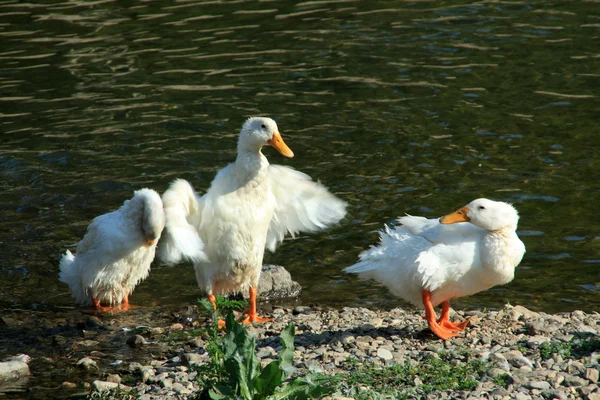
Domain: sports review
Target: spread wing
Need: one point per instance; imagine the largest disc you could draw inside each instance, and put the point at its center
(301, 205)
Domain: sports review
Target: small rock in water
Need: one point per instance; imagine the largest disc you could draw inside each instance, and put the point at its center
(68, 385)
(102, 386)
(115, 378)
(136, 341)
(276, 282)
(87, 364)
(14, 368)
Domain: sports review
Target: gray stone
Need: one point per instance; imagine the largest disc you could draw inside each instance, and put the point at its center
(180, 389)
(384, 354)
(522, 396)
(575, 381)
(539, 385)
(592, 374)
(87, 364)
(14, 368)
(276, 282)
(192, 358)
(147, 374)
(136, 341)
(89, 343)
(517, 312)
(500, 361)
(517, 359)
(166, 383)
(102, 386)
(134, 367)
(115, 378)
(539, 327)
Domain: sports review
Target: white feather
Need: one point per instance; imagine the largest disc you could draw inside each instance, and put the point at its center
(114, 256)
(183, 210)
(449, 260)
(301, 205)
(248, 206)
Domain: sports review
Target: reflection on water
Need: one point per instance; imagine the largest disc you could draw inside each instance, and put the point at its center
(399, 107)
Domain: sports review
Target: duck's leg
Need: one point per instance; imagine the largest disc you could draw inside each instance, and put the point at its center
(444, 320)
(213, 300)
(440, 331)
(252, 316)
(125, 306)
(99, 307)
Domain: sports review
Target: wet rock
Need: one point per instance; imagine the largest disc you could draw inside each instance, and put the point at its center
(192, 358)
(94, 322)
(276, 282)
(115, 378)
(89, 343)
(14, 368)
(103, 386)
(302, 310)
(87, 364)
(68, 385)
(136, 341)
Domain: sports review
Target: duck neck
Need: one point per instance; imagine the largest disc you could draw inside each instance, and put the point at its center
(497, 245)
(251, 164)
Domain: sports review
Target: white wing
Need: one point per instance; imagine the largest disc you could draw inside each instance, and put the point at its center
(183, 211)
(435, 232)
(301, 205)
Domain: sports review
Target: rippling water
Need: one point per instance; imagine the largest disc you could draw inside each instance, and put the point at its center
(398, 106)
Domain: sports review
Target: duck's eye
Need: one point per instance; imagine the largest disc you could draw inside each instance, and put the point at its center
(263, 126)
(481, 207)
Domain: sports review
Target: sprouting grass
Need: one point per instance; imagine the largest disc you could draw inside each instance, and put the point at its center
(503, 380)
(576, 348)
(115, 394)
(225, 304)
(400, 380)
(547, 349)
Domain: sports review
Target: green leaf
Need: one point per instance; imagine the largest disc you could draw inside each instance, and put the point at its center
(310, 387)
(286, 356)
(268, 380)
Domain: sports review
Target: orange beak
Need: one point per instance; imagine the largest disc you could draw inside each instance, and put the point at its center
(456, 216)
(280, 145)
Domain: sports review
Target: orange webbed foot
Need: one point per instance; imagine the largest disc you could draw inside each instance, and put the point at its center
(255, 318)
(455, 326)
(441, 331)
(99, 307)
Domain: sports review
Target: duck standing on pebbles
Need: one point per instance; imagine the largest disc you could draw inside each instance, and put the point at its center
(429, 261)
(115, 254)
(250, 205)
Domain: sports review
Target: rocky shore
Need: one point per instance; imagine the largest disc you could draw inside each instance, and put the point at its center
(513, 353)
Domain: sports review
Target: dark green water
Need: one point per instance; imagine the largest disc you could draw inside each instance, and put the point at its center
(397, 106)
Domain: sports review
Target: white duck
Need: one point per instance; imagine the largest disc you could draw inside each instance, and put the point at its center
(250, 205)
(428, 262)
(115, 254)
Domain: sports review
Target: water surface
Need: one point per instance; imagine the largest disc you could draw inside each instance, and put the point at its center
(398, 106)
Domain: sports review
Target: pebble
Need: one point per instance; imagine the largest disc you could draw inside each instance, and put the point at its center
(507, 341)
(87, 364)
